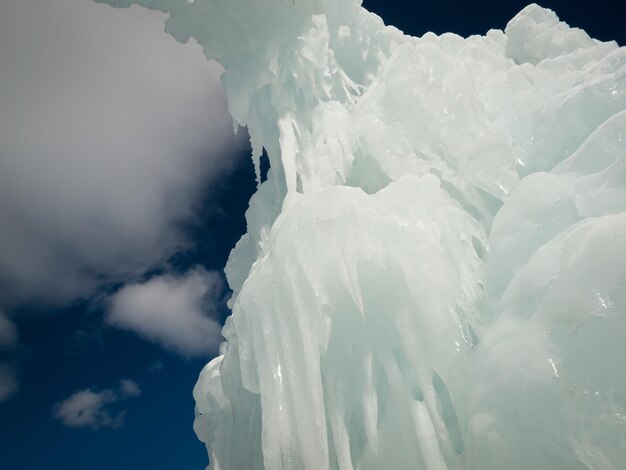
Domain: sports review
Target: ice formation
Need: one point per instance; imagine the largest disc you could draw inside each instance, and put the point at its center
(434, 274)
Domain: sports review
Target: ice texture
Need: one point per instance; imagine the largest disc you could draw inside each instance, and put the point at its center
(434, 273)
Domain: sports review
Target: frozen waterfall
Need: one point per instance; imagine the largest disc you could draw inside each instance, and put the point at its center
(434, 274)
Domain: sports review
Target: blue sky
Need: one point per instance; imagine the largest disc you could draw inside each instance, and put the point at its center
(122, 192)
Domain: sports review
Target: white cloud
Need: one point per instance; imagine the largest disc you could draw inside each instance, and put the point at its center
(90, 409)
(129, 388)
(109, 131)
(175, 312)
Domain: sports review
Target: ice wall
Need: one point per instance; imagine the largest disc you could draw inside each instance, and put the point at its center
(434, 274)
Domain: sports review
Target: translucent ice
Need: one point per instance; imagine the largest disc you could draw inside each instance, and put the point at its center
(434, 274)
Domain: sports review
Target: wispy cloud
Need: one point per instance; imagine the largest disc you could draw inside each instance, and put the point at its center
(177, 312)
(91, 409)
(155, 368)
(8, 332)
(8, 341)
(8, 381)
(109, 132)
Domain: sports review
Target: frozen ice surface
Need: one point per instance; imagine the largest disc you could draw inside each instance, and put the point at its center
(434, 274)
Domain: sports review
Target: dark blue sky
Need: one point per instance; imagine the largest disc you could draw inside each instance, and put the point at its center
(68, 349)
(601, 19)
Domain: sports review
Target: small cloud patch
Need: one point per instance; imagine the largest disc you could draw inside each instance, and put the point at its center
(92, 409)
(155, 368)
(129, 388)
(8, 382)
(8, 332)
